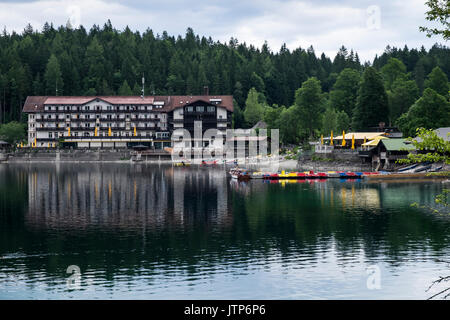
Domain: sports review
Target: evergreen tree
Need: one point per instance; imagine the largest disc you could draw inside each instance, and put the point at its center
(125, 89)
(402, 95)
(345, 91)
(254, 110)
(393, 70)
(309, 105)
(372, 102)
(53, 77)
(431, 111)
(329, 121)
(438, 81)
(343, 121)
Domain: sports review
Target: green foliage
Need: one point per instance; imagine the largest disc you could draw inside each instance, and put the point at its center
(254, 110)
(238, 116)
(52, 76)
(125, 89)
(372, 103)
(329, 121)
(402, 95)
(290, 131)
(438, 81)
(345, 91)
(13, 132)
(430, 148)
(439, 11)
(309, 105)
(443, 198)
(342, 121)
(431, 111)
(392, 71)
(272, 116)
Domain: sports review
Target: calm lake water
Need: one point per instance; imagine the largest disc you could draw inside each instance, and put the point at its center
(157, 232)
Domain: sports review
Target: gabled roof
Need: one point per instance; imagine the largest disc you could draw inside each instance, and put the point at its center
(36, 103)
(397, 145)
(174, 102)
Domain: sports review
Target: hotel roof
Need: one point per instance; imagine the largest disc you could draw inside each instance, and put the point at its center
(37, 103)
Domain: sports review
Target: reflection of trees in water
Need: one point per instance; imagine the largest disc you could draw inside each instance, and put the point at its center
(125, 219)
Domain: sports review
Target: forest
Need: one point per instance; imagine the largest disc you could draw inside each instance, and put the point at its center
(302, 93)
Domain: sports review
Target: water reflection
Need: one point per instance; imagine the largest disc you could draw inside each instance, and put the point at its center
(164, 231)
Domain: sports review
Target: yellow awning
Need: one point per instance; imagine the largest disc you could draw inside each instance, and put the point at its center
(374, 142)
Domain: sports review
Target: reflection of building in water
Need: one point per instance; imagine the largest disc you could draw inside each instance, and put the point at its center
(124, 196)
(348, 194)
(353, 193)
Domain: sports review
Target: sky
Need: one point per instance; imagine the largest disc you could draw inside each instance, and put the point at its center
(367, 27)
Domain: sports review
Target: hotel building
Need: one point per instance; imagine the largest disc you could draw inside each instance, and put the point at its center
(121, 121)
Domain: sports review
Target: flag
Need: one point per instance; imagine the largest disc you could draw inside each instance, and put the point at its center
(343, 139)
(109, 132)
(321, 139)
(331, 138)
(353, 142)
(134, 132)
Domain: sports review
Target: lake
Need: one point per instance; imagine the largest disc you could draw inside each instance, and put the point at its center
(127, 231)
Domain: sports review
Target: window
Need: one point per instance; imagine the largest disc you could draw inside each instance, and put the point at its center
(50, 135)
(211, 109)
(189, 109)
(200, 109)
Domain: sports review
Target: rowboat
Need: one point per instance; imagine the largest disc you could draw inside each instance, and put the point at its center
(240, 174)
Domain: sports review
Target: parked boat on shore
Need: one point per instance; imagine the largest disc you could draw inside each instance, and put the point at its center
(240, 174)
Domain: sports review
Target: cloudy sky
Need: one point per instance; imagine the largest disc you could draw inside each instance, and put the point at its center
(365, 26)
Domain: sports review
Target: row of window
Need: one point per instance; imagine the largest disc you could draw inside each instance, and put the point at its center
(109, 116)
(101, 108)
(158, 135)
(201, 109)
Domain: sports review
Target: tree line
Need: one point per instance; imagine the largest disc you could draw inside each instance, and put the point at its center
(302, 93)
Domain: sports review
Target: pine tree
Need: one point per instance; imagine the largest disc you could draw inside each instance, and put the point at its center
(53, 77)
(372, 102)
(125, 89)
(254, 110)
(438, 81)
(345, 91)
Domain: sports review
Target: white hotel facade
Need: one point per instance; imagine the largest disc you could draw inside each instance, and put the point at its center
(121, 121)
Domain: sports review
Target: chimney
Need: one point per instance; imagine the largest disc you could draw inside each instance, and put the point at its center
(206, 91)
